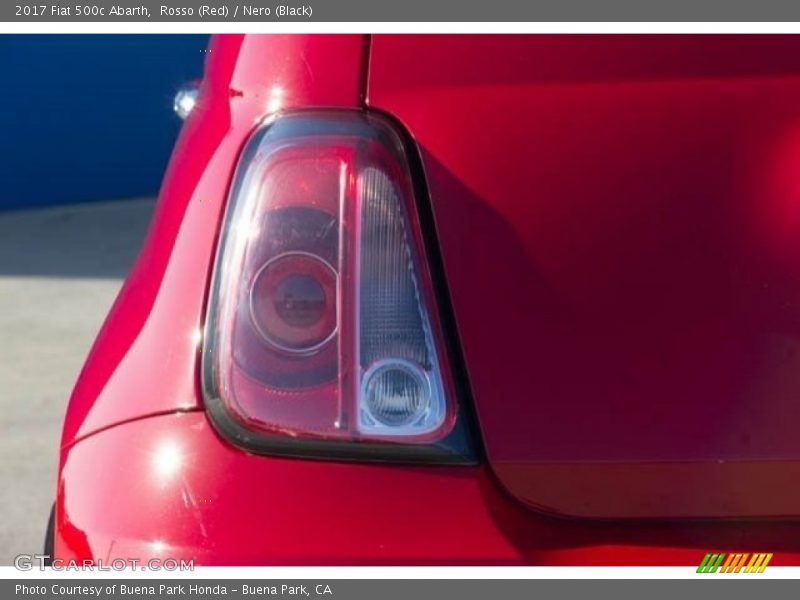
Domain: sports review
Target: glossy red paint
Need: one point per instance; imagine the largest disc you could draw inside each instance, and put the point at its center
(168, 486)
(145, 358)
(618, 217)
(641, 140)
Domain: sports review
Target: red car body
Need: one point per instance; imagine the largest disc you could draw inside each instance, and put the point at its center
(618, 222)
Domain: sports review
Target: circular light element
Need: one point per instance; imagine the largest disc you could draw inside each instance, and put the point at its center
(395, 392)
(293, 302)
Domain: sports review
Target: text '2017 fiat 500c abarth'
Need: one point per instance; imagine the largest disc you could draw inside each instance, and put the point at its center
(457, 300)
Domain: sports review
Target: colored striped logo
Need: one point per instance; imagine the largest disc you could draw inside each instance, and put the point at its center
(734, 563)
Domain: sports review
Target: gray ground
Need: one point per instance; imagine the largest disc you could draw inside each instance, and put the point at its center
(60, 269)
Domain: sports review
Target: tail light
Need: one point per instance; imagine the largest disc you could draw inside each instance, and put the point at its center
(322, 335)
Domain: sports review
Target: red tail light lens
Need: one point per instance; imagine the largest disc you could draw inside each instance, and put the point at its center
(293, 302)
(322, 334)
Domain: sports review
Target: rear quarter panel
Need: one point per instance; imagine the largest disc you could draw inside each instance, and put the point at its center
(145, 358)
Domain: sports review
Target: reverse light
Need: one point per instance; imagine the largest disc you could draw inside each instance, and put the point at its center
(323, 335)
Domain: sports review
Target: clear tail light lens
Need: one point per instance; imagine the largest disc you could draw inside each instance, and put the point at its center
(322, 334)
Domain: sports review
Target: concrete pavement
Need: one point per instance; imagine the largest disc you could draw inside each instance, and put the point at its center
(60, 269)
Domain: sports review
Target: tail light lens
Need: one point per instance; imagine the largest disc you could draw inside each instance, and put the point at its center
(322, 334)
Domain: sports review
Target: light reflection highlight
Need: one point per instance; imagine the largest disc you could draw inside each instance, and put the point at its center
(167, 460)
(276, 98)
